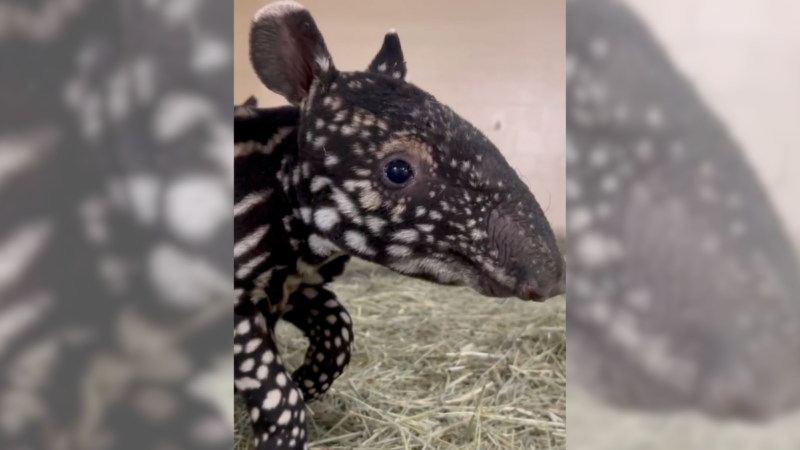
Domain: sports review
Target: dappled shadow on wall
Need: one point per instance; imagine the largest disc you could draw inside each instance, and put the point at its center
(683, 282)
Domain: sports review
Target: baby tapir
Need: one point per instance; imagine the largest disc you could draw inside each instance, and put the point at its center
(360, 164)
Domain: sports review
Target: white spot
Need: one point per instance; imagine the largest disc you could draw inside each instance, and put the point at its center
(248, 267)
(262, 372)
(345, 335)
(331, 319)
(370, 199)
(243, 328)
(252, 345)
(354, 185)
(599, 157)
(326, 218)
(332, 303)
(340, 359)
(246, 383)
(375, 224)
(210, 54)
(250, 241)
(293, 397)
(319, 141)
(185, 279)
(272, 400)
(280, 380)
(254, 414)
(398, 250)
(382, 67)
(247, 365)
(609, 184)
(408, 236)
(321, 246)
(594, 249)
(178, 113)
(249, 202)
(346, 206)
(318, 183)
(425, 228)
(345, 317)
(305, 214)
(331, 160)
(19, 250)
(142, 191)
(578, 219)
(358, 242)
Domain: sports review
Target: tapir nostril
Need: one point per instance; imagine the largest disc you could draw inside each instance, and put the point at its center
(539, 292)
(530, 291)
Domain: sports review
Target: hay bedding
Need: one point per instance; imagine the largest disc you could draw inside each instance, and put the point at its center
(438, 368)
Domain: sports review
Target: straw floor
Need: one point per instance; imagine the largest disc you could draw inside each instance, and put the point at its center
(438, 368)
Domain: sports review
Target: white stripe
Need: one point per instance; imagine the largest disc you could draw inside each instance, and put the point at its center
(246, 148)
(247, 244)
(249, 201)
(248, 267)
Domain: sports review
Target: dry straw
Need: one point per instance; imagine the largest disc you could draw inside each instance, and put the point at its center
(438, 368)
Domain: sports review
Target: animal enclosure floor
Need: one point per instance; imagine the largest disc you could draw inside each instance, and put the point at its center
(438, 368)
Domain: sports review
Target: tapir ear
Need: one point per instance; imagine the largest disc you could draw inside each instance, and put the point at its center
(246, 109)
(287, 50)
(389, 60)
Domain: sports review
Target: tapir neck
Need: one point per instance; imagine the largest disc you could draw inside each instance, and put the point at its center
(267, 157)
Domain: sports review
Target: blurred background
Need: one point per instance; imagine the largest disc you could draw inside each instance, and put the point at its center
(682, 223)
(744, 59)
(498, 64)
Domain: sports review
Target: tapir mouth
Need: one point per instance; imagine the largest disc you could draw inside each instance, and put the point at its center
(489, 287)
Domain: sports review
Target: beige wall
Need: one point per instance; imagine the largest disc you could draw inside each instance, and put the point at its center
(744, 56)
(493, 62)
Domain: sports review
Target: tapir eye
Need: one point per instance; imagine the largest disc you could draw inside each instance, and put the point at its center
(398, 172)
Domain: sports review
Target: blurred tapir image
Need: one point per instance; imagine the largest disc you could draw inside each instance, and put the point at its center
(683, 285)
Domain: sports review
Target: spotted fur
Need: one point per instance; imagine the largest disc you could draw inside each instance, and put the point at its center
(314, 187)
